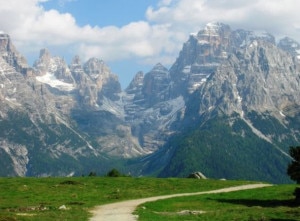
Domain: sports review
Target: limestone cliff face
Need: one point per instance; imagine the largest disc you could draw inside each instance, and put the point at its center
(77, 114)
(238, 71)
(94, 81)
(107, 83)
(54, 114)
(291, 46)
(12, 57)
(257, 77)
(239, 89)
(200, 57)
(150, 109)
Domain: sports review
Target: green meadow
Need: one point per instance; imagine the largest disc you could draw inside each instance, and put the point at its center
(274, 203)
(73, 198)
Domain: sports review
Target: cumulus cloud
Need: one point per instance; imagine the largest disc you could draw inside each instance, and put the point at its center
(32, 27)
(158, 38)
(278, 17)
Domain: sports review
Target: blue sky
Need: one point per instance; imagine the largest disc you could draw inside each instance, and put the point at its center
(134, 35)
(103, 12)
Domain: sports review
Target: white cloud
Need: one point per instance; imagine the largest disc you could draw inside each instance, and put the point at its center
(32, 28)
(158, 38)
(280, 16)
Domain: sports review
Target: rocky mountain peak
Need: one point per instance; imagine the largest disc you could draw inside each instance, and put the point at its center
(75, 114)
(290, 45)
(156, 84)
(214, 28)
(96, 68)
(45, 54)
(106, 82)
(243, 38)
(214, 34)
(47, 63)
(253, 77)
(136, 83)
(53, 71)
(5, 44)
(77, 71)
(159, 67)
(226, 65)
(264, 36)
(76, 61)
(11, 55)
(200, 56)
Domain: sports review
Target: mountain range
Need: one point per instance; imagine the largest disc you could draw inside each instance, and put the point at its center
(229, 107)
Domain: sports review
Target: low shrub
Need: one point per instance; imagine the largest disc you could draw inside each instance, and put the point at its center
(297, 195)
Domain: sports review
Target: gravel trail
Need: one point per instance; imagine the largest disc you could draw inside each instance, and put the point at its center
(122, 211)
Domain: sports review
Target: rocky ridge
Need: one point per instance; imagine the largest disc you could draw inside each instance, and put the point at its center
(246, 80)
(219, 72)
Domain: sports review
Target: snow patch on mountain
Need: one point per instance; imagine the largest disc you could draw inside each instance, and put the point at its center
(13, 101)
(114, 107)
(282, 114)
(52, 81)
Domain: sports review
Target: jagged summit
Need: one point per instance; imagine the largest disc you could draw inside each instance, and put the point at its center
(214, 28)
(228, 106)
(200, 56)
(136, 82)
(159, 67)
(244, 80)
(76, 60)
(44, 53)
(11, 55)
(291, 46)
(5, 42)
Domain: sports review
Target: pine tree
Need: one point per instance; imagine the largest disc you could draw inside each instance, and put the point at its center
(114, 173)
(294, 167)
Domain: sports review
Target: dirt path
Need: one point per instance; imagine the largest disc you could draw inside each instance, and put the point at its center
(123, 210)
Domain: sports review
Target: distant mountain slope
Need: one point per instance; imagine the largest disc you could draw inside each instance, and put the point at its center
(241, 116)
(229, 107)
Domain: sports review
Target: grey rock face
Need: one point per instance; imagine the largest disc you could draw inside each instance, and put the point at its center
(150, 109)
(107, 84)
(200, 57)
(245, 79)
(156, 85)
(237, 71)
(12, 57)
(258, 76)
(218, 71)
(291, 46)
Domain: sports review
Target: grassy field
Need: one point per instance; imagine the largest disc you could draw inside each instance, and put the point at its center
(274, 203)
(41, 198)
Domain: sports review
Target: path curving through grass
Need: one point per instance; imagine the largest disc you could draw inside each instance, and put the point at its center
(124, 210)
